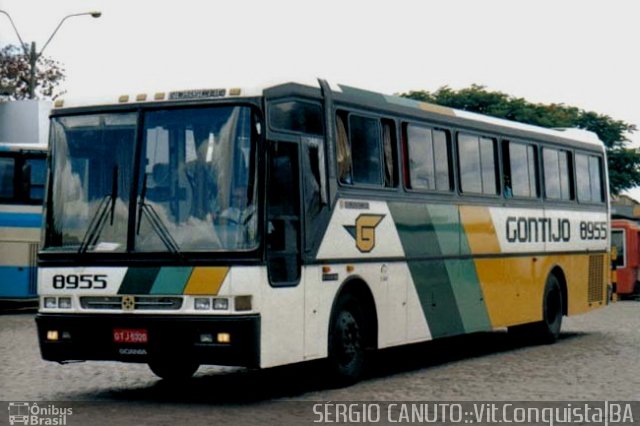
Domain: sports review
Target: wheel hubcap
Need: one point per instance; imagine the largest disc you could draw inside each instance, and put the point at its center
(349, 334)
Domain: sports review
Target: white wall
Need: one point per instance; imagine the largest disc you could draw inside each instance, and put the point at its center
(25, 121)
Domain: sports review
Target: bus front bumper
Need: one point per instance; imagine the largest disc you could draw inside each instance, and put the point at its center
(78, 337)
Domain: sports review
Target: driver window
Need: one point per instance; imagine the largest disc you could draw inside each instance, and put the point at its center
(283, 215)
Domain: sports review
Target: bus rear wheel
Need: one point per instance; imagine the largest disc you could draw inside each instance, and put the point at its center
(548, 330)
(347, 355)
(173, 370)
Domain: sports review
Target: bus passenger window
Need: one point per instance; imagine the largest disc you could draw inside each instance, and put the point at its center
(36, 176)
(359, 150)
(364, 135)
(520, 170)
(476, 156)
(557, 174)
(6, 177)
(428, 158)
(589, 179)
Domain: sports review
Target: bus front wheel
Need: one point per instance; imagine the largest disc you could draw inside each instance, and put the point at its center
(173, 370)
(347, 354)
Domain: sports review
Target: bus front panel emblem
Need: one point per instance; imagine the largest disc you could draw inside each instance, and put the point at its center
(128, 303)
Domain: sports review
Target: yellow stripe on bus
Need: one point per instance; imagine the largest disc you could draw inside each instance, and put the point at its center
(479, 229)
(206, 280)
(512, 287)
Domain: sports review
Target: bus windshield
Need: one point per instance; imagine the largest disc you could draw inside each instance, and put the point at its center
(195, 181)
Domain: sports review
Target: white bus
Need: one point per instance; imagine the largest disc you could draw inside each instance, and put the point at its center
(308, 221)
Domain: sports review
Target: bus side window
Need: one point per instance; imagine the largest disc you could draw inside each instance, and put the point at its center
(35, 178)
(520, 170)
(428, 158)
(7, 166)
(617, 241)
(558, 173)
(390, 154)
(364, 135)
(589, 179)
(366, 150)
(343, 151)
(476, 157)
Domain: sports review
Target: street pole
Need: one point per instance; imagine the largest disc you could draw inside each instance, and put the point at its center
(33, 58)
(33, 55)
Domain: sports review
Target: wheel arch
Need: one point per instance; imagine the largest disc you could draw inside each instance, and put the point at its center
(357, 288)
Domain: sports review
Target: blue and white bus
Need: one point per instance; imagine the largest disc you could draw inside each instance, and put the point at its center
(22, 179)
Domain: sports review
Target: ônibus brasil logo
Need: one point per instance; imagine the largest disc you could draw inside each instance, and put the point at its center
(27, 413)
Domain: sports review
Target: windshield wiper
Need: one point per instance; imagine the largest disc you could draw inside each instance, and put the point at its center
(158, 226)
(106, 208)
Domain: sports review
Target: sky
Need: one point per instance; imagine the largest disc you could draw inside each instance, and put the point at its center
(583, 53)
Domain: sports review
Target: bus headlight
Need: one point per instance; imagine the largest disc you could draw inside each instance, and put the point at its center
(202, 304)
(64, 302)
(50, 303)
(220, 304)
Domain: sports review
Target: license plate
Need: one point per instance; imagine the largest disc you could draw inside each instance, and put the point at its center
(130, 335)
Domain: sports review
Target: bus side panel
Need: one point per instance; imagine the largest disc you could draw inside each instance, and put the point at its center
(362, 242)
(513, 285)
(19, 238)
(499, 277)
(509, 293)
(446, 286)
(281, 314)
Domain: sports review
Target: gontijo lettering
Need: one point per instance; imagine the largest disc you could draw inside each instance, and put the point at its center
(537, 229)
(541, 229)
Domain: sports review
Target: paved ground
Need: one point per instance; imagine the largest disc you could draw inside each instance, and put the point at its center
(597, 358)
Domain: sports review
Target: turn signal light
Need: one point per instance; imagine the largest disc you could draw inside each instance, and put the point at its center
(224, 338)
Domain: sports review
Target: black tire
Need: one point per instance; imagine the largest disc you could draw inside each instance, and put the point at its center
(173, 370)
(548, 330)
(347, 346)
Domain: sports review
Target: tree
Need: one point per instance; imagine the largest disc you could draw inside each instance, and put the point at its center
(623, 161)
(14, 75)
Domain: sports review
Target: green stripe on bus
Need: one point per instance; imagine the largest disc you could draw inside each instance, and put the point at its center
(138, 280)
(171, 280)
(413, 223)
(449, 291)
(468, 295)
(419, 238)
(462, 272)
(445, 220)
(436, 297)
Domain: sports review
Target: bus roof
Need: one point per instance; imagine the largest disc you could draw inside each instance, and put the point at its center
(354, 94)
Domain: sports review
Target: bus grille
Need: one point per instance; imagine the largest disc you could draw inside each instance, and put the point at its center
(33, 278)
(596, 276)
(141, 303)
